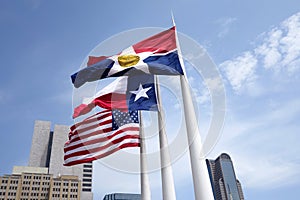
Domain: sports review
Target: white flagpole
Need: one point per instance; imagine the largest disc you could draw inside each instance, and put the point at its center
(201, 180)
(145, 186)
(168, 189)
(202, 185)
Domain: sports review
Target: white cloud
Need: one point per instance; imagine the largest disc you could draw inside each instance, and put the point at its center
(290, 43)
(279, 51)
(281, 47)
(225, 24)
(214, 84)
(271, 55)
(240, 70)
(203, 97)
(200, 91)
(269, 49)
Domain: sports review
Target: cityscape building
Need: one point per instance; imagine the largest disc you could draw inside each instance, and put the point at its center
(46, 177)
(122, 196)
(34, 183)
(223, 179)
(47, 150)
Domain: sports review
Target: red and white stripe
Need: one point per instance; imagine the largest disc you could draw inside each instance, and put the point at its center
(112, 96)
(93, 139)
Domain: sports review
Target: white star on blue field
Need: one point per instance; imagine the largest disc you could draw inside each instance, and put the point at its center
(255, 44)
(141, 92)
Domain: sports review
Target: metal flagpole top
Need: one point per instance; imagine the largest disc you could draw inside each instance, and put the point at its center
(173, 21)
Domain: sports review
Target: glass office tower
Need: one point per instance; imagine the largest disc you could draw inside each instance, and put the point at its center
(223, 179)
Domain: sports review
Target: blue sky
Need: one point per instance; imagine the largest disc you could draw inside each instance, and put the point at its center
(255, 44)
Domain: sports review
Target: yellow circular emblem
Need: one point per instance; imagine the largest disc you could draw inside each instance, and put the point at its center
(128, 60)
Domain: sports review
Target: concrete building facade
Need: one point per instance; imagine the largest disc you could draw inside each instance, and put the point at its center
(33, 183)
(46, 177)
(39, 152)
(223, 179)
(47, 150)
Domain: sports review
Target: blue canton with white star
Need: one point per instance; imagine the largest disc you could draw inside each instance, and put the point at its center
(141, 101)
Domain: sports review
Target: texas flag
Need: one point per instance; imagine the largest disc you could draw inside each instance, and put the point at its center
(127, 93)
(155, 55)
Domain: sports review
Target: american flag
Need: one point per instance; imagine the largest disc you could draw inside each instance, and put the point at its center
(101, 135)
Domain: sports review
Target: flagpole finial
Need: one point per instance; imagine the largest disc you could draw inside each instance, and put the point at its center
(173, 21)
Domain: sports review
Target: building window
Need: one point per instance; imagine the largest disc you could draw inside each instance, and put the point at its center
(87, 185)
(87, 166)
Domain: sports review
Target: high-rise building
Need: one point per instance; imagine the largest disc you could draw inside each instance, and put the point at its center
(47, 150)
(223, 179)
(122, 196)
(46, 160)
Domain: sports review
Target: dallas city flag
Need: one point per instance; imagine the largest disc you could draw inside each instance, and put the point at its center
(101, 135)
(155, 55)
(127, 93)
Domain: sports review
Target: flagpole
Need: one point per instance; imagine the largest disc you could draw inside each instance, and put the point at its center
(201, 180)
(168, 189)
(145, 186)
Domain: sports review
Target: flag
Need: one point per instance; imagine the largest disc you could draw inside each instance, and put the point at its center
(155, 55)
(128, 93)
(101, 135)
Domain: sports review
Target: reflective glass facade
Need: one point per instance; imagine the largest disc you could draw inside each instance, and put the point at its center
(223, 179)
(229, 180)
